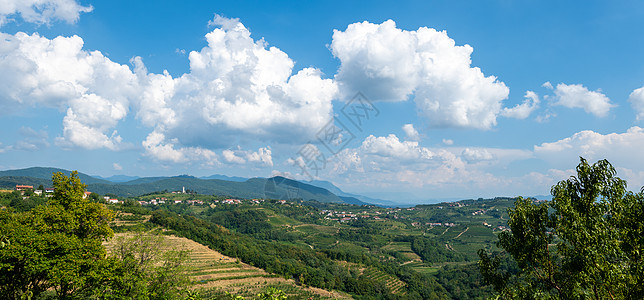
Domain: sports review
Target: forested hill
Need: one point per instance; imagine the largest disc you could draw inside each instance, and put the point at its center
(45, 173)
(274, 188)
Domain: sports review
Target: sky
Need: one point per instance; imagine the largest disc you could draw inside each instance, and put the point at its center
(411, 102)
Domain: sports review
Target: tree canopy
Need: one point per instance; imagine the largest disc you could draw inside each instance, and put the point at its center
(585, 243)
(56, 248)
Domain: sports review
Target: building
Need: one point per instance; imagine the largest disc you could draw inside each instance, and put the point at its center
(20, 187)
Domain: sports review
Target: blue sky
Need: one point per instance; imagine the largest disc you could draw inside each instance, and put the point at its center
(463, 99)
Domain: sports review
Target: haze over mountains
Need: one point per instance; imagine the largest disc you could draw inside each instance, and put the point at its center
(233, 186)
(129, 186)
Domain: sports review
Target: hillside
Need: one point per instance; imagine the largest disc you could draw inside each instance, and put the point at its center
(383, 246)
(213, 273)
(423, 252)
(45, 173)
(273, 188)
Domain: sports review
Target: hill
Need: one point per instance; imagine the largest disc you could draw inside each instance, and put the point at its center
(45, 173)
(363, 199)
(273, 188)
(214, 273)
(224, 177)
(118, 178)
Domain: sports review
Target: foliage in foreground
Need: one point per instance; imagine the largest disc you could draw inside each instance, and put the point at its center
(55, 250)
(585, 243)
(270, 294)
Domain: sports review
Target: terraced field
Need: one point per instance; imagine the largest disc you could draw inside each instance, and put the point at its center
(214, 273)
(394, 284)
(405, 249)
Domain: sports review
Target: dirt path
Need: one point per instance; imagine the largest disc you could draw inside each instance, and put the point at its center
(459, 235)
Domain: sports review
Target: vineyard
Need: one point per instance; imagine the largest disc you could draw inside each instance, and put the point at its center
(213, 274)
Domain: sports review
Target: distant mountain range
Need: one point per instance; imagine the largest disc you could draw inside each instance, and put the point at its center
(221, 185)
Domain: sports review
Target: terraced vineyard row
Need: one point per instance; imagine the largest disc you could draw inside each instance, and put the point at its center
(215, 274)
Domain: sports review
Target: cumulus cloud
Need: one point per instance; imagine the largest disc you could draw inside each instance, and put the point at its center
(385, 161)
(117, 167)
(623, 149)
(391, 146)
(411, 132)
(57, 73)
(578, 96)
(474, 155)
(637, 102)
(448, 142)
(168, 151)
(231, 157)
(523, 110)
(236, 86)
(262, 156)
(42, 11)
(390, 64)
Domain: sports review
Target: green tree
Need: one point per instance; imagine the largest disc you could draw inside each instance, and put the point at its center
(140, 269)
(585, 243)
(57, 246)
(94, 197)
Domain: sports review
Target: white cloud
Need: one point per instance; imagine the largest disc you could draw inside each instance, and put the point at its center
(390, 64)
(578, 96)
(544, 118)
(261, 156)
(636, 99)
(87, 120)
(158, 148)
(621, 149)
(391, 146)
(411, 132)
(117, 167)
(386, 162)
(448, 142)
(236, 87)
(42, 11)
(57, 73)
(282, 174)
(230, 156)
(474, 155)
(523, 110)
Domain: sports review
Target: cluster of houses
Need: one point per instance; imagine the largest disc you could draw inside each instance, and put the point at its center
(49, 192)
(479, 212)
(436, 224)
(163, 200)
(238, 201)
(343, 216)
(157, 201)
